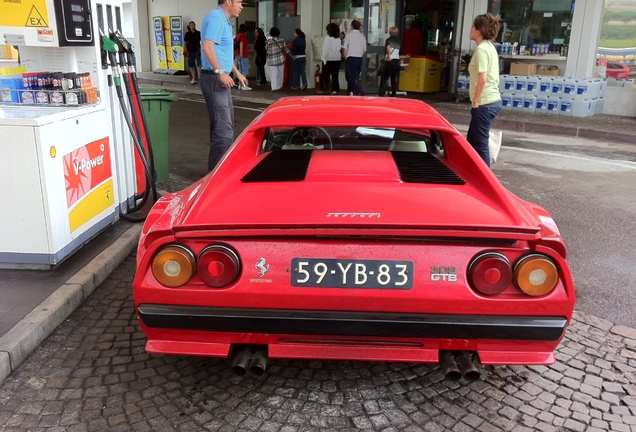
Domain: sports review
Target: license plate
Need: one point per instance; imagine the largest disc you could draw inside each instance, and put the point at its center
(342, 273)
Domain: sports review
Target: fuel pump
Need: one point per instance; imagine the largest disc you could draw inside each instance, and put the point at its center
(113, 45)
(66, 162)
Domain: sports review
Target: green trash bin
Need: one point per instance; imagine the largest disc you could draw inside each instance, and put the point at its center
(157, 103)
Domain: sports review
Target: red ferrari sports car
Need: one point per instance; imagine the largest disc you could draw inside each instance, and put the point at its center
(358, 229)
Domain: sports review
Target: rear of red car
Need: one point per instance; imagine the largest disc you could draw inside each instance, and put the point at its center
(358, 255)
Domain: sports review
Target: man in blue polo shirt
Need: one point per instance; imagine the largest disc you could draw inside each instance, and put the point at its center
(216, 83)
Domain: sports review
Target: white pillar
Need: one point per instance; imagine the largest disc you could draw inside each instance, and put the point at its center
(586, 32)
(473, 8)
(141, 41)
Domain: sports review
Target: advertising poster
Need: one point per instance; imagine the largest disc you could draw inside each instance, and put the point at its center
(89, 182)
(160, 42)
(176, 42)
(165, 21)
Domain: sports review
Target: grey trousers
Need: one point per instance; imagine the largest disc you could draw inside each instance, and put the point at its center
(221, 110)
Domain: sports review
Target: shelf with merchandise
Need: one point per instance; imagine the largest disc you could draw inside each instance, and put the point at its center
(62, 98)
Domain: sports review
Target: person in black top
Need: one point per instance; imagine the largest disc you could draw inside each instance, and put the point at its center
(391, 62)
(260, 53)
(299, 63)
(192, 39)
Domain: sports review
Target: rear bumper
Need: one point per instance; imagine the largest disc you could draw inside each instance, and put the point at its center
(346, 323)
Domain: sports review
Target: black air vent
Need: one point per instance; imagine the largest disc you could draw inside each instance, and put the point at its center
(281, 166)
(424, 168)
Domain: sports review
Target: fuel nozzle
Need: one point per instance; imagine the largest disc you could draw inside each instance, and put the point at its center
(107, 44)
(121, 41)
(112, 49)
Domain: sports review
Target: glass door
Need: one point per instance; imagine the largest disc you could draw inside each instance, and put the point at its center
(379, 16)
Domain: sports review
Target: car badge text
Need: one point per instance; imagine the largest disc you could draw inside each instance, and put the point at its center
(448, 274)
(353, 215)
(262, 267)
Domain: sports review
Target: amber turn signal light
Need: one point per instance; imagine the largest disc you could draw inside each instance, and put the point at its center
(174, 265)
(535, 275)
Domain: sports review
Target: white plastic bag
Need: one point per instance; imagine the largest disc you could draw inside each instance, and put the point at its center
(494, 144)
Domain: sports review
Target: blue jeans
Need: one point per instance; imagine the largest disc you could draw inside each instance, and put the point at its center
(479, 130)
(298, 67)
(218, 98)
(353, 67)
(244, 65)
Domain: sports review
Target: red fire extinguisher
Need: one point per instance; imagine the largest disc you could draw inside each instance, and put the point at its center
(317, 77)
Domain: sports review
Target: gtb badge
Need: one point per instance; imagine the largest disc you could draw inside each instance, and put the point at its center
(262, 267)
(445, 274)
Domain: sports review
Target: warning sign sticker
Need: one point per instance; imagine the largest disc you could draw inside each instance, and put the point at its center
(24, 13)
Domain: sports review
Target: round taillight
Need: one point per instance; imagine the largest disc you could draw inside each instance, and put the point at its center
(174, 265)
(535, 275)
(490, 273)
(218, 266)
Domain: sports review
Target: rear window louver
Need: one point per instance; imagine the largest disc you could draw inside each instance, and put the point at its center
(281, 166)
(424, 168)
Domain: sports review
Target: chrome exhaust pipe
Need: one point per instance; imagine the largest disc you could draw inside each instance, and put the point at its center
(467, 367)
(448, 366)
(241, 362)
(258, 363)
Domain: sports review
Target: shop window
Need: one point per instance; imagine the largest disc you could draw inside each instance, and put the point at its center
(287, 18)
(287, 8)
(535, 27)
(617, 45)
(342, 12)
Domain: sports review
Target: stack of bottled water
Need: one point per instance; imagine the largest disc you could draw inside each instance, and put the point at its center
(570, 96)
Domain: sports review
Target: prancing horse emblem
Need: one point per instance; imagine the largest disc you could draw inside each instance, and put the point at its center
(262, 267)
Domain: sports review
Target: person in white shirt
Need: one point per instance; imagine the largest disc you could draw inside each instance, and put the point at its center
(353, 49)
(331, 59)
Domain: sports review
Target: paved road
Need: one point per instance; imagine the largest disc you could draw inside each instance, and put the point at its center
(93, 374)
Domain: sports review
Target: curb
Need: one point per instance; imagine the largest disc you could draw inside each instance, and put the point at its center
(21, 340)
(545, 129)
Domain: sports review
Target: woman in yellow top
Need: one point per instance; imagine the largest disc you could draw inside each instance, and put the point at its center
(484, 83)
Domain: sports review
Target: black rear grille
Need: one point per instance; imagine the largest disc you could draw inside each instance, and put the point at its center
(424, 168)
(281, 166)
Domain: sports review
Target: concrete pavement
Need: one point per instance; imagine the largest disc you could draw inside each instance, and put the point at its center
(590, 387)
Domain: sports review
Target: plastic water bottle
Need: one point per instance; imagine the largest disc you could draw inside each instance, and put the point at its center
(565, 106)
(569, 87)
(541, 104)
(506, 101)
(600, 105)
(517, 101)
(462, 84)
(532, 86)
(602, 84)
(556, 88)
(530, 103)
(553, 104)
(584, 88)
(594, 88)
(545, 85)
(510, 83)
(502, 83)
(522, 82)
(581, 107)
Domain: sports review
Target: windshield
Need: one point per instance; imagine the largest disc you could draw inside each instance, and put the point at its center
(351, 138)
